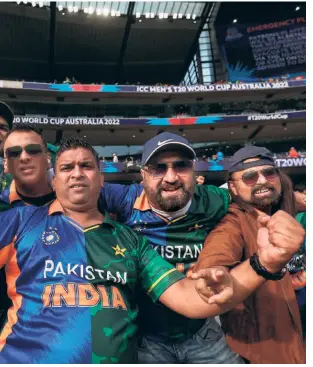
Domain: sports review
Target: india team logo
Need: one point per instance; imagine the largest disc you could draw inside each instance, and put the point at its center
(50, 237)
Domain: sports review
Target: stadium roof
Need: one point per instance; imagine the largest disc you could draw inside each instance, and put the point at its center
(161, 9)
(146, 42)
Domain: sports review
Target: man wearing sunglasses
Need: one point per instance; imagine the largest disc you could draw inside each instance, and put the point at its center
(255, 241)
(176, 215)
(27, 160)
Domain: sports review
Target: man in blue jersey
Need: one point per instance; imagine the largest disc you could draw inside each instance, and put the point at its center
(27, 160)
(72, 273)
(176, 215)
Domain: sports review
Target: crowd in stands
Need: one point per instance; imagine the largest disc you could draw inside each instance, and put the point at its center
(248, 107)
(73, 80)
(276, 79)
(216, 155)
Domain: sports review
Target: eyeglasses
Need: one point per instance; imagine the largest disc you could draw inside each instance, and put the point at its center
(16, 151)
(180, 167)
(251, 178)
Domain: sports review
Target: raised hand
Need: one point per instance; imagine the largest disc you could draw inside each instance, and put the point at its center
(279, 238)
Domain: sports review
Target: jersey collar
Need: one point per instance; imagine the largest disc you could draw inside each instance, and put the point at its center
(13, 195)
(56, 207)
(142, 202)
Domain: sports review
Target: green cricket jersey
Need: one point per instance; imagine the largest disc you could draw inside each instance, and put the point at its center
(179, 242)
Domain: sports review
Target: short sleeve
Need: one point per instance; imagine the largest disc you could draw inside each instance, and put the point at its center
(224, 245)
(156, 274)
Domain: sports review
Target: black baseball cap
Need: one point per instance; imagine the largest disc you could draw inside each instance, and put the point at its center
(7, 114)
(165, 141)
(236, 162)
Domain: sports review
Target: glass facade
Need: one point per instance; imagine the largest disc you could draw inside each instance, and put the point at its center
(201, 68)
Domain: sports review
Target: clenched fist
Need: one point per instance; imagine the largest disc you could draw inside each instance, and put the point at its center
(279, 238)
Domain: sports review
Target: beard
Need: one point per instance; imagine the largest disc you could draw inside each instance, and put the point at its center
(265, 203)
(171, 204)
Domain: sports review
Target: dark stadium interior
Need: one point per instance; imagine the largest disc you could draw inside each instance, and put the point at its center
(115, 50)
(44, 43)
(259, 11)
(121, 49)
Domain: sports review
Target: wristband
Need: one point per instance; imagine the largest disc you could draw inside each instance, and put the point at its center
(262, 271)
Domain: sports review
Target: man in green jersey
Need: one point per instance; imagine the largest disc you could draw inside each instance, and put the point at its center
(176, 215)
(72, 274)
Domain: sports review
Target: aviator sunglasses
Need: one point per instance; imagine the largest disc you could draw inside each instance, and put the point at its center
(16, 151)
(181, 167)
(251, 178)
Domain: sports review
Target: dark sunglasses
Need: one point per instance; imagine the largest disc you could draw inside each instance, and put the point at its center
(251, 178)
(16, 151)
(159, 169)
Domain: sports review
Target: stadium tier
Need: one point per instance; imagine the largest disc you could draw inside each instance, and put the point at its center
(252, 101)
(141, 142)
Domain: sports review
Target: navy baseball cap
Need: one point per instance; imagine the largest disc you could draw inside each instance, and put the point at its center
(236, 162)
(165, 141)
(7, 114)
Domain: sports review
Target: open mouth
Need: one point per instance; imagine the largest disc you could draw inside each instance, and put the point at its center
(172, 191)
(263, 192)
(77, 186)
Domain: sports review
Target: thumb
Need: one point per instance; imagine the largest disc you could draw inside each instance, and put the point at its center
(263, 220)
(262, 238)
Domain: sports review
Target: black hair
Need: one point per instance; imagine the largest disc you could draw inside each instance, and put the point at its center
(300, 187)
(28, 129)
(205, 179)
(75, 143)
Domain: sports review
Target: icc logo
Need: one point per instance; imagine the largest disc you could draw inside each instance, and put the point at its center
(50, 237)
